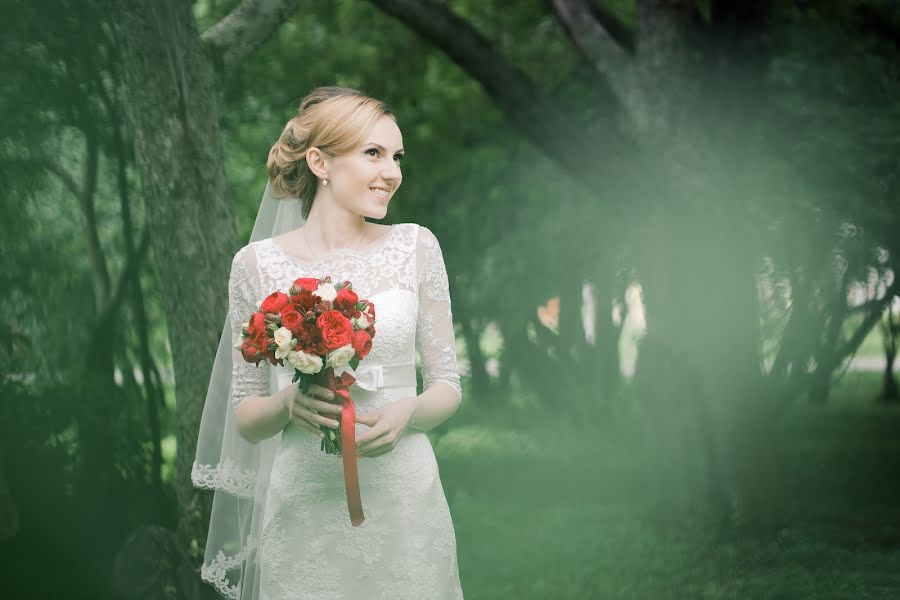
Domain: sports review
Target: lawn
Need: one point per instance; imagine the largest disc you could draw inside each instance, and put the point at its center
(563, 523)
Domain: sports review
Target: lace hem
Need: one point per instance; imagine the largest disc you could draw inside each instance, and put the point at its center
(227, 476)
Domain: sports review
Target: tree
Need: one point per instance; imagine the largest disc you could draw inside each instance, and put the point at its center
(662, 76)
(169, 84)
(691, 85)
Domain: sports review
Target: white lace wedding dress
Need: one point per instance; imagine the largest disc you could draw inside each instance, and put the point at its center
(406, 547)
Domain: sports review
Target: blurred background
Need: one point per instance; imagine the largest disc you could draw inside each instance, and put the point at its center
(671, 230)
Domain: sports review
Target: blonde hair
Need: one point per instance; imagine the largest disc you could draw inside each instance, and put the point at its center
(333, 119)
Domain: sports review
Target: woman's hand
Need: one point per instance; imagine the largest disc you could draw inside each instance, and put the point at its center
(304, 410)
(387, 425)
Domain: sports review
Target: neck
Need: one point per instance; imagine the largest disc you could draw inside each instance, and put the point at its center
(329, 227)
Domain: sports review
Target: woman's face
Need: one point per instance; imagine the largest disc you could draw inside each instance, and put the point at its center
(364, 180)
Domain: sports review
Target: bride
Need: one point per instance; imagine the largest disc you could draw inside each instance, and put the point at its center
(279, 527)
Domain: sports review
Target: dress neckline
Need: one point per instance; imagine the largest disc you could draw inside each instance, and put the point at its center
(378, 245)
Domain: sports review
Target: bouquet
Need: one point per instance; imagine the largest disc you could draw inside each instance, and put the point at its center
(323, 330)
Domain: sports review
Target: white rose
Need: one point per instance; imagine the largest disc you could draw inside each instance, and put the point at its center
(305, 362)
(340, 356)
(283, 338)
(361, 322)
(326, 292)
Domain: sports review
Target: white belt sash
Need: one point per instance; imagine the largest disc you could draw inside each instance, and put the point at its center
(368, 376)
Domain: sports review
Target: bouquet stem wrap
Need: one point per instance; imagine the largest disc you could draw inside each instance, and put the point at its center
(340, 386)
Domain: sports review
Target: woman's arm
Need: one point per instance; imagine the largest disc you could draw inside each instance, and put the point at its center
(257, 415)
(260, 417)
(434, 406)
(435, 338)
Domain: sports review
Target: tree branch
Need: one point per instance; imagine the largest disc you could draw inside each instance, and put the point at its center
(84, 194)
(873, 316)
(599, 36)
(130, 271)
(245, 29)
(791, 389)
(538, 117)
(67, 180)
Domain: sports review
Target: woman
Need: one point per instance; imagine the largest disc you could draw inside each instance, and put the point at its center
(280, 527)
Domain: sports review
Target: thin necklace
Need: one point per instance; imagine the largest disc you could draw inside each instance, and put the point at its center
(308, 247)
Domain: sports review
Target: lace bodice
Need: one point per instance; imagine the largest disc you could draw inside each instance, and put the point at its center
(404, 275)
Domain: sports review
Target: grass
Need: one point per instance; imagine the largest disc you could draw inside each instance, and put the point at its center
(542, 515)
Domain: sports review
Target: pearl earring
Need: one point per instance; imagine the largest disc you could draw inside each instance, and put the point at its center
(325, 181)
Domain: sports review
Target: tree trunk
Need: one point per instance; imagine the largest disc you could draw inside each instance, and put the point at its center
(890, 331)
(172, 110)
(708, 422)
(481, 383)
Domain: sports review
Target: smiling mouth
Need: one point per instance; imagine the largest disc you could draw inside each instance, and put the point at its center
(381, 193)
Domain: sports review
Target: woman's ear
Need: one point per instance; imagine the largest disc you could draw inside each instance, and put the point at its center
(317, 163)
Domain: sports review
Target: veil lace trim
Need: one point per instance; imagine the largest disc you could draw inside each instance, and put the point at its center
(215, 572)
(226, 476)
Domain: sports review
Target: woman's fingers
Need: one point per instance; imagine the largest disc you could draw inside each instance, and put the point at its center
(310, 403)
(380, 443)
(326, 407)
(367, 418)
(373, 447)
(369, 437)
(322, 392)
(302, 409)
(301, 422)
(306, 423)
(315, 417)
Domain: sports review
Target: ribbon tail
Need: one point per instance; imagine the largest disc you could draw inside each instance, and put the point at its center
(348, 452)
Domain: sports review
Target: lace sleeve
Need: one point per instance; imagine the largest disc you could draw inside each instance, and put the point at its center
(435, 338)
(247, 379)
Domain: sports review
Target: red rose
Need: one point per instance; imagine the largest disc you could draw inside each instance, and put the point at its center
(274, 302)
(252, 351)
(309, 340)
(307, 283)
(362, 343)
(257, 324)
(345, 301)
(305, 301)
(262, 339)
(270, 350)
(336, 329)
(291, 319)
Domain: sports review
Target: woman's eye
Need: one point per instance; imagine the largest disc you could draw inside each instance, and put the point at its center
(398, 157)
(375, 150)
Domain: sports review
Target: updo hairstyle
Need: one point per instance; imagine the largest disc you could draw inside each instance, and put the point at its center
(333, 119)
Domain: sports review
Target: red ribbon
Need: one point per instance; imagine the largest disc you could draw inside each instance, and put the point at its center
(348, 441)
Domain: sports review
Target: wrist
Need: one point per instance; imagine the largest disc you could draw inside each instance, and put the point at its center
(413, 404)
(284, 403)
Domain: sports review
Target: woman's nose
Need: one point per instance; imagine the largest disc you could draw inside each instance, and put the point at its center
(392, 174)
